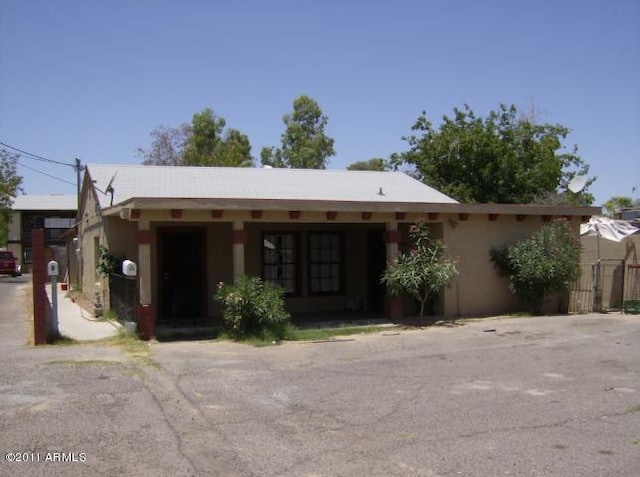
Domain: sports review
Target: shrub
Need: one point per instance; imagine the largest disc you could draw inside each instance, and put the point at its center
(107, 262)
(422, 272)
(253, 309)
(545, 263)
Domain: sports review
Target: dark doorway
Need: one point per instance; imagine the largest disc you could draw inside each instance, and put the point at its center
(182, 276)
(377, 261)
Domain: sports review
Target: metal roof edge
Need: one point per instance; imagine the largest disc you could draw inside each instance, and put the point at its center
(322, 205)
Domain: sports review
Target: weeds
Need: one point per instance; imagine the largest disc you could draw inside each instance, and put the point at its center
(138, 351)
(313, 334)
(86, 362)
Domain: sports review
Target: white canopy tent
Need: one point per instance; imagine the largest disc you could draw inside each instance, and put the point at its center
(609, 229)
(609, 274)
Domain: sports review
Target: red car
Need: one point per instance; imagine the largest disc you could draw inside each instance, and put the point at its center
(8, 264)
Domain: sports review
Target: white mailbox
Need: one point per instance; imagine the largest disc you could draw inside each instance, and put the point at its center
(129, 268)
(52, 268)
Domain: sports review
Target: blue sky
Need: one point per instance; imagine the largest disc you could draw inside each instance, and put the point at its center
(92, 79)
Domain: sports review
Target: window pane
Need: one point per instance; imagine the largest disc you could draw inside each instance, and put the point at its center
(279, 260)
(325, 262)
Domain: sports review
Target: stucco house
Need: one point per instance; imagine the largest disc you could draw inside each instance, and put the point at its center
(54, 213)
(324, 235)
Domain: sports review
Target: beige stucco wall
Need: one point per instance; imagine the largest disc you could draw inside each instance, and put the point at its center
(479, 290)
(91, 231)
(111, 232)
(120, 238)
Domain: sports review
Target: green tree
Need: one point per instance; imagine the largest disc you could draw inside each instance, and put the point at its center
(617, 204)
(236, 149)
(304, 143)
(545, 263)
(422, 272)
(503, 158)
(204, 142)
(10, 186)
(375, 164)
(210, 145)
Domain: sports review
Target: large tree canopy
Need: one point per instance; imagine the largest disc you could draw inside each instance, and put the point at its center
(204, 142)
(10, 185)
(503, 158)
(304, 143)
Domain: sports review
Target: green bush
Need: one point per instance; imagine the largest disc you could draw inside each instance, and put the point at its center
(545, 263)
(107, 262)
(253, 309)
(422, 272)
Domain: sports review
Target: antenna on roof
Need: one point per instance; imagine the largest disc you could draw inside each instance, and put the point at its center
(109, 189)
(577, 183)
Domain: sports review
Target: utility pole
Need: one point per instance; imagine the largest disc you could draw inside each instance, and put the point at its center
(78, 168)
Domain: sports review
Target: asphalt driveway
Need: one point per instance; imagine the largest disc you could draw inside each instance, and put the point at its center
(519, 396)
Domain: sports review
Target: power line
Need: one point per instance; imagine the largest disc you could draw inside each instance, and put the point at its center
(48, 175)
(35, 156)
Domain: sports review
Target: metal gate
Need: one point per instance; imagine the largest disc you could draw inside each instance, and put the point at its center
(599, 288)
(633, 282)
(581, 291)
(609, 284)
(124, 296)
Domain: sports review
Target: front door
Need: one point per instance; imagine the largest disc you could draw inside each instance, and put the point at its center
(377, 262)
(182, 276)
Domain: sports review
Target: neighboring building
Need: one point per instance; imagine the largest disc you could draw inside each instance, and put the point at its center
(631, 215)
(325, 236)
(54, 213)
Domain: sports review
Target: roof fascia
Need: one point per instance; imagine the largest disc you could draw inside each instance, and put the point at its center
(304, 205)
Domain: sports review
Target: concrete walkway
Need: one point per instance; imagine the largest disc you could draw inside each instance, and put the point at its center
(77, 323)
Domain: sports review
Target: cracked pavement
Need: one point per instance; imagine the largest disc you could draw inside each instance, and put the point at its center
(540, 396)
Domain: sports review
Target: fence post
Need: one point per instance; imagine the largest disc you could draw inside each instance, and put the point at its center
(39, 278)
(146, 324)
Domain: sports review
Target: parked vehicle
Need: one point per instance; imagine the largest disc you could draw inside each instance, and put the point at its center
(8, 264)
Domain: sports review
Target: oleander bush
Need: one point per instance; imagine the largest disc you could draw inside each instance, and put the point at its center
(424, 271)
(253, 308)
(545, 263)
